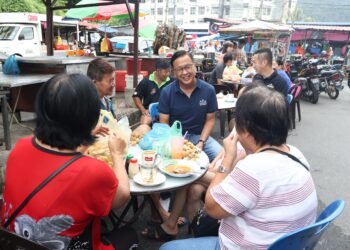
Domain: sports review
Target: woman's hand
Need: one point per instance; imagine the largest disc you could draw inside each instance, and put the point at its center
(116, 145)
(230, 147)
(100, 130)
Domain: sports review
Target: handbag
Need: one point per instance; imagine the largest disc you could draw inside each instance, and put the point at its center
(10, 66)
(38, 188)
(204, 225)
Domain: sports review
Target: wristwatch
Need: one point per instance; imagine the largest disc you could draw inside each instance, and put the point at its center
(221, 169)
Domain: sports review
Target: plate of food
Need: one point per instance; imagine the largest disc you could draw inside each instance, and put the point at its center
(160, 178)
(179, 168)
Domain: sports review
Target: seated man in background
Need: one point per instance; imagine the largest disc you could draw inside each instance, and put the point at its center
(148, 90)
(262, 63)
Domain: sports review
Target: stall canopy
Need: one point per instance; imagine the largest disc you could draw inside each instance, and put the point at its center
(255, 26)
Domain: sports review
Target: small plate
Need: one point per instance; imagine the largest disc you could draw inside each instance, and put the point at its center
(192, 164)
(159, 180)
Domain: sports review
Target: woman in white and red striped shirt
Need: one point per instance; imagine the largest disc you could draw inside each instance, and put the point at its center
(268, 193)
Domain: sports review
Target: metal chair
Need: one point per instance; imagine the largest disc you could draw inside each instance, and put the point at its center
(307, 237)
(153, 111)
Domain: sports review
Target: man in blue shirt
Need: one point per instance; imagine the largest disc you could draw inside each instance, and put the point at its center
(192, 102)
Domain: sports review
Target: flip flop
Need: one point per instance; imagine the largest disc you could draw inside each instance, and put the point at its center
(181, 222)
(157, 230)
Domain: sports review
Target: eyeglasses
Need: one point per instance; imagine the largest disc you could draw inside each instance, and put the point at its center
(187, 68)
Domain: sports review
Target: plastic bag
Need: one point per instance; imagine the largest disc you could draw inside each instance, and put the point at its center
(10, 66)
(176, 129)
(159, 132)
(104, 45)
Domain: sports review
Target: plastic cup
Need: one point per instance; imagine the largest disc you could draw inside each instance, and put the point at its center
(148, 172)
(176, 144)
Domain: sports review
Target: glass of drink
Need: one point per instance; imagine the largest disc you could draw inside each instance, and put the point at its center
(176, 144)
(148, 172)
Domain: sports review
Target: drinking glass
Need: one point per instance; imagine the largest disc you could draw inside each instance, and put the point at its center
(148, 172)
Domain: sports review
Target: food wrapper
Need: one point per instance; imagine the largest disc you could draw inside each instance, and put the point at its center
(120, 128)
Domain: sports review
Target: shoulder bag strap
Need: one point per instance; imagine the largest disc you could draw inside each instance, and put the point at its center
(286, 154)
(38, 188)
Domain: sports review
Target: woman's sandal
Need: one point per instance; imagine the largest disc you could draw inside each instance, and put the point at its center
(157, 230)
(182, 221)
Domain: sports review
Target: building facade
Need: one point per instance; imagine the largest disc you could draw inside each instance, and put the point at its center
(182, 12)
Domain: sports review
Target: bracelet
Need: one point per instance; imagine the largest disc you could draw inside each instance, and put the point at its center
(201, 141)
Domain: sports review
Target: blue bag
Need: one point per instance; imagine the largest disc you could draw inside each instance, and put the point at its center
(159, 132)
(10, 66)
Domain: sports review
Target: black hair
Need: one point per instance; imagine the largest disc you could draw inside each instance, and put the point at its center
(228, 57)
(162, 64)
(279, 62)
(226, 45)
(67, 109)
(266, 54)
(178, 54)
(98, 68)
(263, 113)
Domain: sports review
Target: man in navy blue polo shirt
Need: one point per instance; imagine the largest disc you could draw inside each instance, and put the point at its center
(148, 90)
(192, 102)
(262, 63)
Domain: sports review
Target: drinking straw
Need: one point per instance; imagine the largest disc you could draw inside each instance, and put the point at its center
(185, 134)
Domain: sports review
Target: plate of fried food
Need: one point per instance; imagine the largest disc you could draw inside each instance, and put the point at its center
(190, 151)
(179, 168)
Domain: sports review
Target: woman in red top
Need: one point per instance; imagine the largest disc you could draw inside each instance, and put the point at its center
(65, 213)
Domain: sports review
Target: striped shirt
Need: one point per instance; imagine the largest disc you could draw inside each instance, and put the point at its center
(267, 195)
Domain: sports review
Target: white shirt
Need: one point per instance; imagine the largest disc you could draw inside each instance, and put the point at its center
(267, 195)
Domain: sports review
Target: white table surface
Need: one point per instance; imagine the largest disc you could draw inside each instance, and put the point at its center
(223, 102)
(171, 183)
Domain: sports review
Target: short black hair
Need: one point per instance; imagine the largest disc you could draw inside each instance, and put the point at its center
(266, 54)
(98, 68)
(228, 57)
(162, 64)
(67, 109)
(263, 113)
(178, 54)
(279, 62)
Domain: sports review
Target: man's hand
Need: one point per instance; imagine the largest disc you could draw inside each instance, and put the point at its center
(100, 130)
(116, 145)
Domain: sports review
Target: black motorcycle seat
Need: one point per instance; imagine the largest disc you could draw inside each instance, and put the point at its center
(327, 72)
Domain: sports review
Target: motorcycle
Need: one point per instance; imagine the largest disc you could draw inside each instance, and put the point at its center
(331, 82)
(308, 80)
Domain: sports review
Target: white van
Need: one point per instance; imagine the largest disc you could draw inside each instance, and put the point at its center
(23, 33)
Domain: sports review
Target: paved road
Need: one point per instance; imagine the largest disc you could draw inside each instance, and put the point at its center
(323, 136)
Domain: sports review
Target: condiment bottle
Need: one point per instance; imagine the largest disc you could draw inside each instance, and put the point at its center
(133, 168)
(127, 162)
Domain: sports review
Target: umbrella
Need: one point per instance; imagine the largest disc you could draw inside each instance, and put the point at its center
(118, 11)
(147, 29)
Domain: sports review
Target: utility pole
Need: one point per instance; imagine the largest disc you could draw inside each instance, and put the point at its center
(261, 8)
(166, 11)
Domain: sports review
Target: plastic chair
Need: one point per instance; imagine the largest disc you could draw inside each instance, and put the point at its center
(153, 111)
(307, 237)
(289, 98)
(294, 105)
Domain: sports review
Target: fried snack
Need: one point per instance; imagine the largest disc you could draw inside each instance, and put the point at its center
(178, 169)
(190, 151)
(100, 150)
(135, 138)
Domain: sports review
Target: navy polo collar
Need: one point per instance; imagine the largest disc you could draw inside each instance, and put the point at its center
(199, 85)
